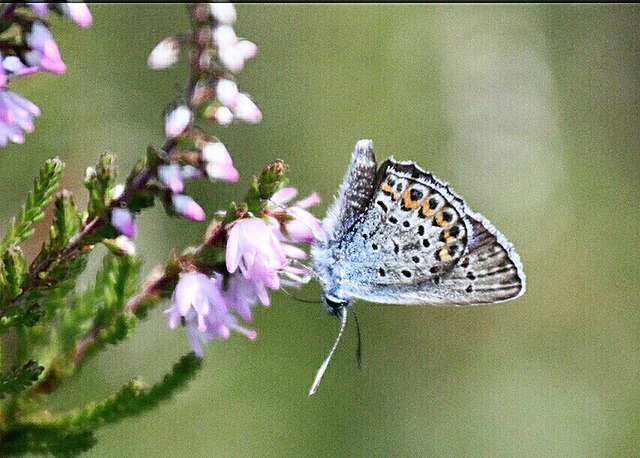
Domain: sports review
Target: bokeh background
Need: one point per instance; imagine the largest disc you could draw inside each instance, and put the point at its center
(531, 112)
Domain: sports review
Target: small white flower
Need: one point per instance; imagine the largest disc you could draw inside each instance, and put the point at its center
(218, 162)
(125, 245)
(247, 49)
(223, 116)
(227, 92)
(246, 110)
(224, 36)
(89, 174)
(177, 120)
(225, 13)
(117, 189)
(165, 54)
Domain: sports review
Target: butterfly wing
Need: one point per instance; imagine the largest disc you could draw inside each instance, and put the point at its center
(414, 241)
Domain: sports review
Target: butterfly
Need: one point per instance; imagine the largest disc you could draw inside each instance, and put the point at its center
(398, 235)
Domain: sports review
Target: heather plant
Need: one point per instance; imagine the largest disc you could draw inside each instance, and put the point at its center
(49, 326)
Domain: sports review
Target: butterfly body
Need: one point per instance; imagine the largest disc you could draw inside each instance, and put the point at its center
(398, 235)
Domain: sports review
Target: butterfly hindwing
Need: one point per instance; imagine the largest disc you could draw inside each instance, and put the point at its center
(402, 236)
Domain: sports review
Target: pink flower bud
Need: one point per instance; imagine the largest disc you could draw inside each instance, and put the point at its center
(187, 207)
(246, 110)
(177, 120)
(122, 220)
(165, 54)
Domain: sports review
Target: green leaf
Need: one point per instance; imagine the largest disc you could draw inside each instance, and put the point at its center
(23, 316)
(100, 183)
(14, 272)
(20, 378)
(66, 221)
(98, 306)
(121, 327)
(119, 282)
(51, 288)
(134, 398)
(45, 439)
(20, 228)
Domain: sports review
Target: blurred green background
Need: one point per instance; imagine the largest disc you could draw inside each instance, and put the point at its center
(531, 112)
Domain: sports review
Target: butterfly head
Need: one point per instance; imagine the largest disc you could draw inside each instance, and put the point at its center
(335, 305)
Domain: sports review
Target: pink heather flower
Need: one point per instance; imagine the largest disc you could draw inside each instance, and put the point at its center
(187, 207)
(246, 110)
(247, 49)
(171, 176)
(304, 227)
(43, 51)
(9, 132)
(227, 92)
(176, 120)
(223, 116)
(254, 248)
(200, 301)
(165, 54)
(239, 103)
(232, 52)
(218, 162)
(76, 11)
(14, 67)
(224, 13)
(41, 9)
(188, 172)
(242, 294)
(122, 220)
(124, 245)
(15, 114)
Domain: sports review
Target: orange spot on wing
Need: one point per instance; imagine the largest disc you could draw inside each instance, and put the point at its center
(448, 238)
(443, 254)
(407, 201)
(426, 211)
(388, 190)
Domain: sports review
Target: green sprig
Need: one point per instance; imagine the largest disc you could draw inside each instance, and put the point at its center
(20, 228)
(45, 439)
(134, 398)
(265, 186)
(20, 378)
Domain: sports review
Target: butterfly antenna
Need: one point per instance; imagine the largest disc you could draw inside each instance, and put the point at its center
(359, 344)
(323, 367)
(298, 299)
